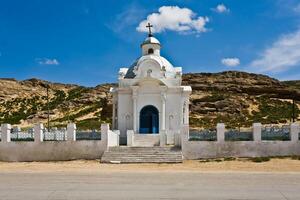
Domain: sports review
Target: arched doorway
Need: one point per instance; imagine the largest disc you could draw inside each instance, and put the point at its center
(149, 120)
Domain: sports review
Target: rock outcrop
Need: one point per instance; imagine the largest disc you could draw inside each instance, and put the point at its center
(235, 98)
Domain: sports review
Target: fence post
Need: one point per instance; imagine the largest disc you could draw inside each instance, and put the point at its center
(71, 132)
(220, 132)
(162, 138)
(104, 134)
(184, 137)
(5, 131)
(257, 132)
(38, 132)
(130, 138)
(295, 129)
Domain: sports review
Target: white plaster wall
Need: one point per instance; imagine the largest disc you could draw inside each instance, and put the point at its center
(206, 149)
(221, 148)
(125, 113)
(51, 150)
(149, 93)
(173, 110)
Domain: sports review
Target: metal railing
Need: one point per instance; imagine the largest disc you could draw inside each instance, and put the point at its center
(88, 135)
(238, 135)
(55, 135)
(203, 135)
(276, 133)
(17, 135)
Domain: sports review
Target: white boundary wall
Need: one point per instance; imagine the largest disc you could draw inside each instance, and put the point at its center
(40, 150)
(51, 150)
(256, 148)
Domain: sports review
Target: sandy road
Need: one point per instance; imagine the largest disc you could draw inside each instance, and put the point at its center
(149, 185)
(80, 180)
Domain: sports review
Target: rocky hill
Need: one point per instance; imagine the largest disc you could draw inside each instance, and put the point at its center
(235, 98)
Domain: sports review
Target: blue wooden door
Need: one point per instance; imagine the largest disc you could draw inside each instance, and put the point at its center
(149, 120)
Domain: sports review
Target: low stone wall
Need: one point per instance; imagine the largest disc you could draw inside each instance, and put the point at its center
(256, 148)
(70, 149)
(51, 150)
(197, 150)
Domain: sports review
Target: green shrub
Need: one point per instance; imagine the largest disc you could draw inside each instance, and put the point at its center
(260, 159)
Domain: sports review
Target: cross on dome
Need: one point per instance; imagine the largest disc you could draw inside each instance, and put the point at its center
(149, 26)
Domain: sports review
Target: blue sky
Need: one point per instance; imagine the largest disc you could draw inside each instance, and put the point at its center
(87, 41)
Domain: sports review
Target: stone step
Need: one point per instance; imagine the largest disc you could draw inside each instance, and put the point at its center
(151, 152)
(167, 148)
(146, 140)
(141, 160)
(142, 155)
(128, 160)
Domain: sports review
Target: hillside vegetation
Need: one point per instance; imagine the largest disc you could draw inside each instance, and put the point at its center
(235, 98)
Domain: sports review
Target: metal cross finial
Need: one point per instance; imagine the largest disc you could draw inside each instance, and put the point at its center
(149, 26)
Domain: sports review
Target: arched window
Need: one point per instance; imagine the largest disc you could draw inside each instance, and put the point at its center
(150, 51)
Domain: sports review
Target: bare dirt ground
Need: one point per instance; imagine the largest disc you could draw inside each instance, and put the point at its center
(239, 165)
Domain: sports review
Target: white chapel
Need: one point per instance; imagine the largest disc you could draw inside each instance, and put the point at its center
(149, 98)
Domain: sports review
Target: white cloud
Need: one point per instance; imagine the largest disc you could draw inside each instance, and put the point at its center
(297, 8)
(221, 8)
(230, 62)
(282, 55)
(129, 17)
(174, 18)
(47, 61)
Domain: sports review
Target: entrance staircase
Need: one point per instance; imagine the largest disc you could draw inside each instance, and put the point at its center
(124, 154)
(146, 140)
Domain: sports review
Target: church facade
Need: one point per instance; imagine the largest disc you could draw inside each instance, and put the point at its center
(149, 98)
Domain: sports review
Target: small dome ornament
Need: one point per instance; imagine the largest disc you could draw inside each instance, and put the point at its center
(149, 73)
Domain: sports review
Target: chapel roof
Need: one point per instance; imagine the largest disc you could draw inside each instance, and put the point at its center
(151, 40)
(170, 71)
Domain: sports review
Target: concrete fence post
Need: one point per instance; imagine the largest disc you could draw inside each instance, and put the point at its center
(184, 132)
(5, 133)
(39, 132)
(257, 132)
(295, 129)
(130, 138)
(71, 132)
(104, 134)
(220, 132)
(162, 138)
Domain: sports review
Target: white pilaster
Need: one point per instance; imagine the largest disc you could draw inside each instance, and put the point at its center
(163, 111)
(295, 129)
(220, 132)
(114, 112)
(38, 132)
(257, 132)
(134, 97)
(186, 112)
(114, 115)
(71, 132)
(134, 114)
(5, 133)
